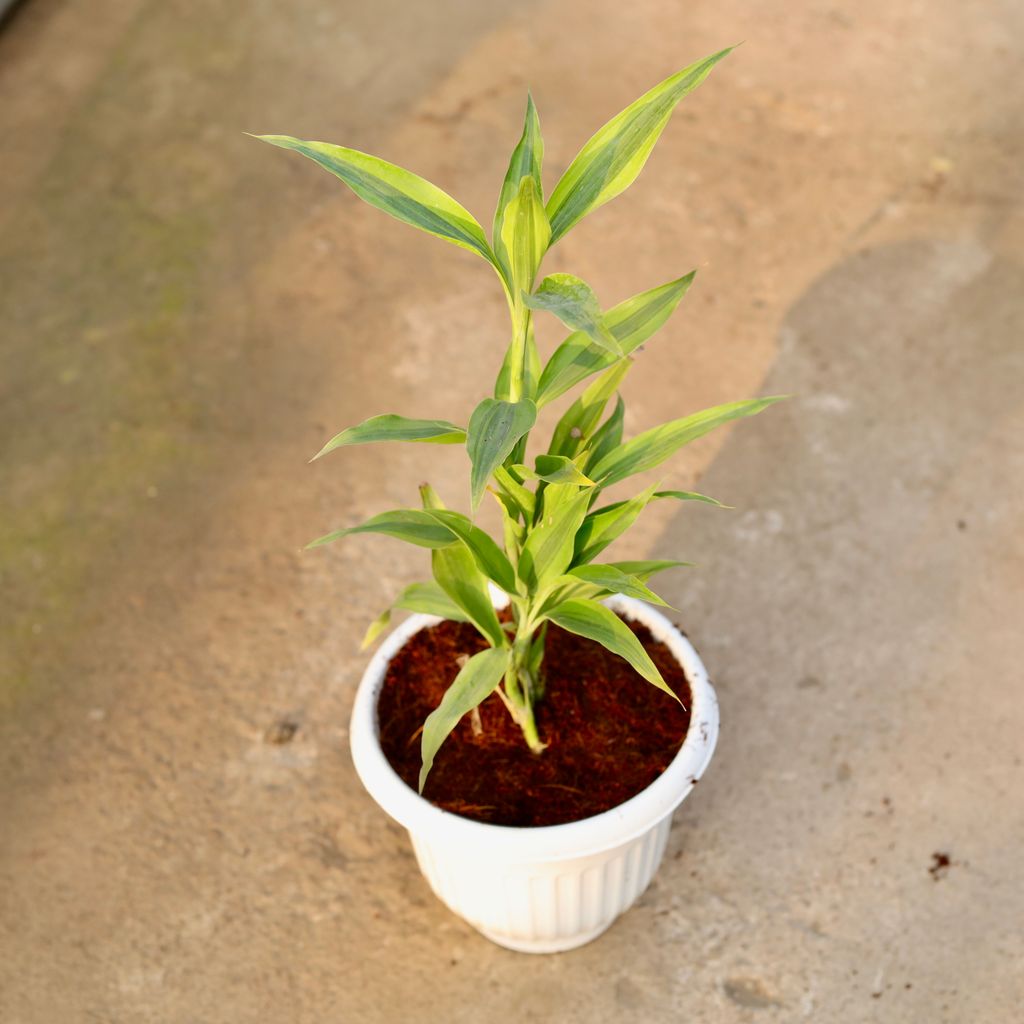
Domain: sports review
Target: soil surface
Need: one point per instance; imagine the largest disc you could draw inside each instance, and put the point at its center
(609, 732)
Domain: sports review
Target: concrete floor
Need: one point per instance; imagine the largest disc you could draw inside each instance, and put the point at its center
(188, 315)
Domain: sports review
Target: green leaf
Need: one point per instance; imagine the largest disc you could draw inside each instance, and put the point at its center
(525, 162)
(408, 524)
(644, 569)
(490, 559)
(652, 447)
(525, 235)
(427, 598)
(631, 323)
(573, 431)
(565, 588)
(678, 495)
(457, 574)
(610, 162)
(603, 525)
(390, 427)
(405, 196)
(494, 429)
(575, 304)
(513, 531)
(611, 578)
(590, 619)
(556, 469)
(690, 496)
(376, 627)
(523, 497)
(476, 681)
(548, 550)
(608, 436)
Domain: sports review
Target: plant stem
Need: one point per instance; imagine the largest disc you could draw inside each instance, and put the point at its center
(529, 727)
(520, 686)
(521, 690)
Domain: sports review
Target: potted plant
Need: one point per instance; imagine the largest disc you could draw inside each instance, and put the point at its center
(473, 725)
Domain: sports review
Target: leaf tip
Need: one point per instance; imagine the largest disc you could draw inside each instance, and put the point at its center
(273, 140)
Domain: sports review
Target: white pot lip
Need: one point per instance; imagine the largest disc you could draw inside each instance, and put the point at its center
(549, 842)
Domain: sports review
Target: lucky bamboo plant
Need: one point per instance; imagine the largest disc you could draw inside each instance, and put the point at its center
(553, 528)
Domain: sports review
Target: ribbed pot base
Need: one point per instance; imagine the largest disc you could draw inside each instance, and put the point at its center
(547, 945)
(544, 907)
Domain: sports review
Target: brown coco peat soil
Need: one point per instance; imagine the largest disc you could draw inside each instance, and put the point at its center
(609, 732)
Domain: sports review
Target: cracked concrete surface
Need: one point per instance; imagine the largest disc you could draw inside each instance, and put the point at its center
(189, 315)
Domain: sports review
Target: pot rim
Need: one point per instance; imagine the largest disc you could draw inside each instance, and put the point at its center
(573, 839)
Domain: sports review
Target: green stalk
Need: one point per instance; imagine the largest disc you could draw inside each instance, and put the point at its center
(520, 365)
(520, 684)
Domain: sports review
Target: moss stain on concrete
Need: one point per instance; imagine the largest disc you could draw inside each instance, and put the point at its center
(100, 410)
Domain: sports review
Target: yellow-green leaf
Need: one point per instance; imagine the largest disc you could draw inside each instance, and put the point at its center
(610, 162)
(631, 323)
(405, 196)
(494, 429)
(548, 550)
(652, 447)
(476, 681)
(573, 431)
(604, 524)
(608, 435)
(490, 559)
(525, 234)
(512, 488)
(644, 569)
(556, 469)
(408, 524)
(427, 598)
(525, 162)
(612, 579)
(574, 303)
(588, 618)
(390, 427)
(458, 575)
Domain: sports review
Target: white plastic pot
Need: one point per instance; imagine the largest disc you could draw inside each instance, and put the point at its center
(540, 890)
